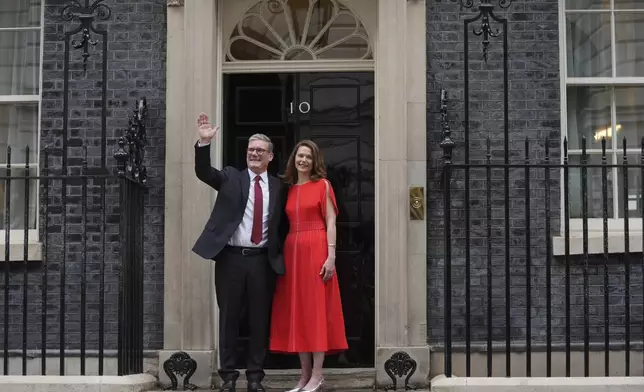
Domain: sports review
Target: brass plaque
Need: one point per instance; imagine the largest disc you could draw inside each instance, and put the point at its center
(416, 203)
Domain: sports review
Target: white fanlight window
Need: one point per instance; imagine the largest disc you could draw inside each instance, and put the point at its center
(298, 30)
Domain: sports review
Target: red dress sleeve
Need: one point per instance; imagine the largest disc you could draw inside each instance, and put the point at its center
(323, 196)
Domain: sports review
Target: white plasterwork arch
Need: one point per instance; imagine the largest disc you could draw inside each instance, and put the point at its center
(364, 11)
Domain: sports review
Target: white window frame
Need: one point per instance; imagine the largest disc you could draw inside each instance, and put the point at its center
(16, 236)
(616, 234)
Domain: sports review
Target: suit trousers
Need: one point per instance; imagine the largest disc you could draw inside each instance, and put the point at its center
(243, 282)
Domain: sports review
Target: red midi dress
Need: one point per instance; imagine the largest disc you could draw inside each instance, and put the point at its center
(307, 312)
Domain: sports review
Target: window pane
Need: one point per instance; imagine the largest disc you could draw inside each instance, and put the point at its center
(18, 199)
(20, 13)
(589, 116)
(588, 44)
(587, 4)
(594, 191)
(628, 4)
(19, 62)
(18, 129)
(629, 40)
(629, 103)
(634, 190)
(336, 43)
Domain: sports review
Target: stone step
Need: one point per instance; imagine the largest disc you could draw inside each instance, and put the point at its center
(335, 379)
(325, 389)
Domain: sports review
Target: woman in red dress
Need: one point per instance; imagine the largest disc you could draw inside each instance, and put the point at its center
(307, 311)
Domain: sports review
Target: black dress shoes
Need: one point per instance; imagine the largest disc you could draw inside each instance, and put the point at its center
(228, 386)
(255, 386)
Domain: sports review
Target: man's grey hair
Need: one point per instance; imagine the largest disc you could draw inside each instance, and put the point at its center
(264, 138)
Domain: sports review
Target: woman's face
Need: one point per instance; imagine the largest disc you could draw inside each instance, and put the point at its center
(304, 160)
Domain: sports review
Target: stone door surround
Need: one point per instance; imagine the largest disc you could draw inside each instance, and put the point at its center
(194, 75)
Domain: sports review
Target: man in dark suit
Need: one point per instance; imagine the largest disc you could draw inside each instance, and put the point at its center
(242, 236)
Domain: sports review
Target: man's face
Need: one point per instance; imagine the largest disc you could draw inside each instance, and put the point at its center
(257, 156)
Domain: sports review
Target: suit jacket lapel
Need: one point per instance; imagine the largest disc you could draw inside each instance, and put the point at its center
(273, 189)
(245, 186)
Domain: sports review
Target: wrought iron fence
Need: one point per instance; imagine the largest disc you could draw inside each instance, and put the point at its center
(71, 279)
(543, 262)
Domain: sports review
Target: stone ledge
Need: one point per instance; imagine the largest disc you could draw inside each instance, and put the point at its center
(72, 362)
(596, 243)
(17, 252)
(132, 383)
(537, 384)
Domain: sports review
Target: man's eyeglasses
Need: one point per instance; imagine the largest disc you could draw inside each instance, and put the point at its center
(259, 151)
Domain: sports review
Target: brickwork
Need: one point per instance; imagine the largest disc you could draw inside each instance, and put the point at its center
(136, 32)
(534, 94)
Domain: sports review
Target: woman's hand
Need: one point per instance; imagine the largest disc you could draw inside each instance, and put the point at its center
(328, 269)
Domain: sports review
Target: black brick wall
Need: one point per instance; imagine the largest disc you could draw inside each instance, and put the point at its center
(136, 34)
(534, 90)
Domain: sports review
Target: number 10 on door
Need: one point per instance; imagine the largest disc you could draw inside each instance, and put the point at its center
(303, 107)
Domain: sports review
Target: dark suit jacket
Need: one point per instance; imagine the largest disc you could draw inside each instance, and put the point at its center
(232, 186)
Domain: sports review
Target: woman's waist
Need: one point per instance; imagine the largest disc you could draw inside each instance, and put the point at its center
(317, 225)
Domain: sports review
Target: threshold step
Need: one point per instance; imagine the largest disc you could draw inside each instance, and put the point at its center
(324, 389)
(335, 379)
(348, 380)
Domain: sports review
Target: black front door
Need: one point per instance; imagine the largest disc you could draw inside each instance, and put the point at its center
(335, 110)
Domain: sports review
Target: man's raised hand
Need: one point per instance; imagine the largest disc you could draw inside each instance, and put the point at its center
(206, 130)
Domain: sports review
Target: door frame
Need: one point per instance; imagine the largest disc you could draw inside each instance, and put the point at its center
(194, 84)
(227, 12)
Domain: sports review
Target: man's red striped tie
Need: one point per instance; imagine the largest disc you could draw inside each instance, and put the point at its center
(256, 236)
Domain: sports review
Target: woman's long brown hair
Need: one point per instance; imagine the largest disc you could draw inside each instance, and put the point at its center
(317, 171)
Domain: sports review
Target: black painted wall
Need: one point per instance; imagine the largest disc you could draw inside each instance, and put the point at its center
(534, 83)
(136, 33)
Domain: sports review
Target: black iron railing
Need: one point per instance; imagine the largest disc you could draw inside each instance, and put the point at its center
(510, 298)
(71, 279)
(130, 343)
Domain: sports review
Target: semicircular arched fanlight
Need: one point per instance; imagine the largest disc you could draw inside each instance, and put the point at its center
(299, 30)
